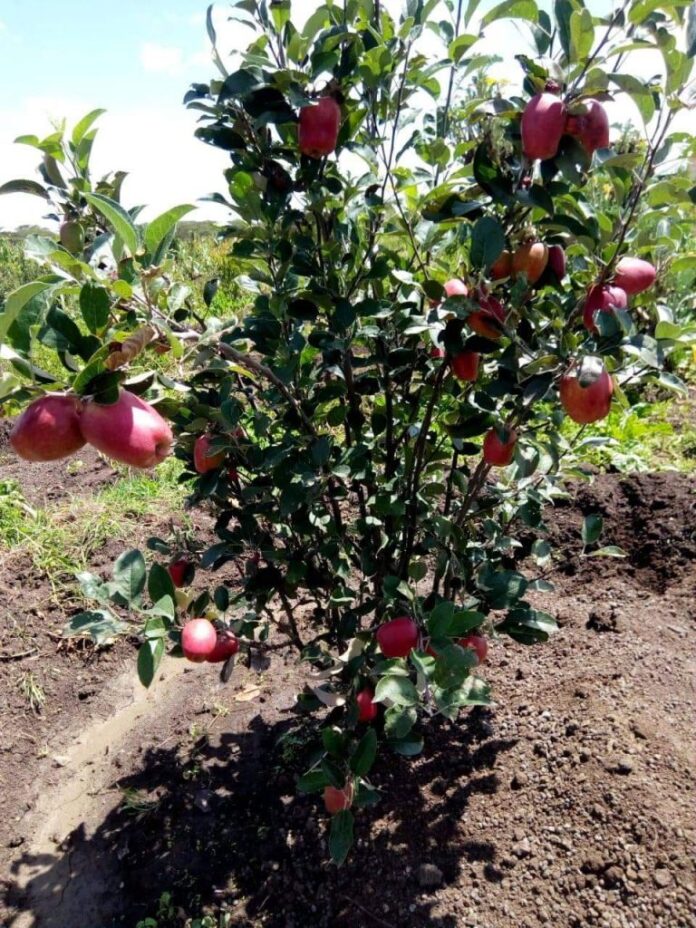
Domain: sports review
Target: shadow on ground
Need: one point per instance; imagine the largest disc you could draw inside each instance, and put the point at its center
(223, 826)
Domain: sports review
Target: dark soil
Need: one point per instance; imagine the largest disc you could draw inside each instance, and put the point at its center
(568, 803)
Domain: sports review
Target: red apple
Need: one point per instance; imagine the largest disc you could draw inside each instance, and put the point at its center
(456, 287)
(477, 643)
(586, 391)
(496, 451)
(543, 123)
(336, 800)
(179, 571)
(48, 429)
(398, 637)
(557, 261)
(319, 125)
(198, 640)
(465, 365)
(603, 299)
(591, 127)
(634, 275)
(203, 460)
(480, 322)
(530, 259)
(502, 266)
(437, 353)
(129, 430)
(367, 710)
(226, 645)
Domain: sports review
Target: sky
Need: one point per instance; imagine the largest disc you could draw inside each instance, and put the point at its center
(136, 60)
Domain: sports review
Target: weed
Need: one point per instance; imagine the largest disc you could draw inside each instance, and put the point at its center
(32, 691)
(135, 802)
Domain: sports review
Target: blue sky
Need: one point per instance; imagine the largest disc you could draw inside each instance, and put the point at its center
(136, 59)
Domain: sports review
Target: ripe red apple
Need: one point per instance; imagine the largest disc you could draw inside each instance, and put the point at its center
(591, 128)
(586, 391)
(480, 322)
(203, 460)
(605, 299)
(530, 259)
(226, 645)
(367, 710)
(543, 123)
(48, 429)
(497, 452)
(477, 643)
(634, 275)
(319, 125)
(129, 430)
(198, 640)
(336, 800)
(502, 266)
(557, 261)
(456, 287)
(437, 353)
(465, 365)
(179, 571)
(398, 637)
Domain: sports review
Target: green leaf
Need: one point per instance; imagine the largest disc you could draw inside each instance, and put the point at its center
(581, 34)
(691, 31)
(591, 528)
(399, 722)
(512, 9)
(149, 657)
(399, 690)
(84, 125)
(365, 753)
(410, 746)
(341, 836)
(608, 551)
(129, 574)
(563, 10)
(160, 227)
(159, 584)
(94, 306)
(117, 217)
(487, 242)
(527, 625)
(16, 301)
(24, 186)
(314, 781)
(99, 624)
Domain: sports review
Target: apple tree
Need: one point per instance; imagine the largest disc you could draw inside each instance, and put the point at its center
(433, 285)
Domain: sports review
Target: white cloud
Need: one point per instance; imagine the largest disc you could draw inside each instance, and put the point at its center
(167, 59)
(166, 164)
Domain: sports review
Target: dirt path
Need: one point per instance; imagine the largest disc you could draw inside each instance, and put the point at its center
(569, 803)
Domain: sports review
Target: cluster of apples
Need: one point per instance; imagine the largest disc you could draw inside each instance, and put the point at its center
(202, 642)
(129, 431)
(396, 638)
(546, 119)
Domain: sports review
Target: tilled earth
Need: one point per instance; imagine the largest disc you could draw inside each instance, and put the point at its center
(570, 802)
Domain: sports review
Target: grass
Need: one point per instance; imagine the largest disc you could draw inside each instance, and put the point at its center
(647, 437)
(32, 691)
(61, 540)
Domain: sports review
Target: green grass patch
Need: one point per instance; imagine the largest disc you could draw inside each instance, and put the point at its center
(63, 539)
(647, 437)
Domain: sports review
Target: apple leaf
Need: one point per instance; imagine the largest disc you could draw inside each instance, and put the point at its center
(159, 584)
(160, 227)
(117, 217)
(313, 781)
(341, 837)
(398, 690)
(487, 241)
(591, 528)
(149, 657)
(129, 575)
(365, 753)
(94, 306)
